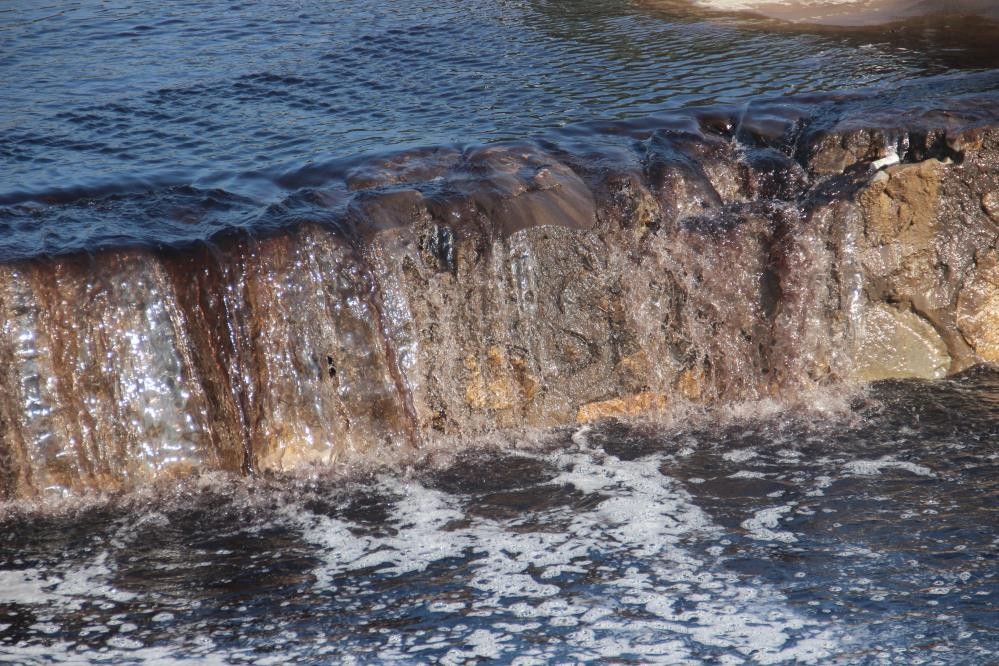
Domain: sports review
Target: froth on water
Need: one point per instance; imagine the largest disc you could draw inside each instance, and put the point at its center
(754, 537)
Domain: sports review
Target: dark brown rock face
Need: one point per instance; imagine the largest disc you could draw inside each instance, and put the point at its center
(716, 256)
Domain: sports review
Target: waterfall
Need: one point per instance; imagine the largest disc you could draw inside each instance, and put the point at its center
(725, 255)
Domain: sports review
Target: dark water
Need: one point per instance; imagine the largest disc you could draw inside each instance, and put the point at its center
(864, 536)
(160, 122)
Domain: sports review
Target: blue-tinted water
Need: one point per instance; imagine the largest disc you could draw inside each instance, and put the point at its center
(154, 122)
(862, 536)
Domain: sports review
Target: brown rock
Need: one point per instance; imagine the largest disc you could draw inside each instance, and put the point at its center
(902, 209)
(690, 383)
(520, 285)
(496, 388)
(834, 153)
(898, 344)
(978, 309)
(629, 405)
(990, 204)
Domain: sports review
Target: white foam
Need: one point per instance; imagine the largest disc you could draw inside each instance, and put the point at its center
(655, 597)
(875, 467)
(747, 474)
(762, 526)
(66, 588)
(739, 455)
(643, 517)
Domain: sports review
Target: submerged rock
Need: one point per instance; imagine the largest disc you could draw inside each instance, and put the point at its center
(724, 255)
(853, 12)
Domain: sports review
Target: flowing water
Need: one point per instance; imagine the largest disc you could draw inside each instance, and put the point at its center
(858, 527)
(866, 535)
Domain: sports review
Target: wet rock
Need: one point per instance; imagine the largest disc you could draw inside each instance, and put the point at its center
(414, 166)
(924, 228)
(497, 390)
(978, 308)
(460, 291)
(897, 344)
(103, 400)
(902, 208)
(324, 375)
(628, 405)
(835, 152)
(690, 384)
(990, 203)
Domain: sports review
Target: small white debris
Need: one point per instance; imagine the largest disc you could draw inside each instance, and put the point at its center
(885, 161)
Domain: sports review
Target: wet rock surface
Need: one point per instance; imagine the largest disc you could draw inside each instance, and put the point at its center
(720, 254)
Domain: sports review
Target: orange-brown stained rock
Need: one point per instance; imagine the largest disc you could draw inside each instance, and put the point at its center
(990, 203)
(978, 308)
(902, 208)
(485, 393)
(690, 383)
(629, 405)
(925, 227)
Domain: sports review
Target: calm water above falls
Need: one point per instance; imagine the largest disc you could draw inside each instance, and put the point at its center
(863, 537)
(160, 122)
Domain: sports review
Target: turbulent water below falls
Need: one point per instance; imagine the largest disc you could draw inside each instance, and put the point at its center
(864, 535)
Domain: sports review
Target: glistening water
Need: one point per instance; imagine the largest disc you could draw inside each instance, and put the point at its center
(866, 535)
(162, 122)
(857, 530)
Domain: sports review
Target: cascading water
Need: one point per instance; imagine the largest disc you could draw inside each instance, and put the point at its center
(426, 334)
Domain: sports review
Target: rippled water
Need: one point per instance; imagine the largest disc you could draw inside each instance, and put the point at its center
(865, 536)
(161, 122)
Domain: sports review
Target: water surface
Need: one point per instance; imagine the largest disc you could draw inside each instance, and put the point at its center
(151, 122)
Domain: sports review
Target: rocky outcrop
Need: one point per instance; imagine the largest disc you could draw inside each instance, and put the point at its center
(716, 255)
